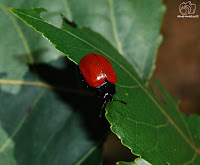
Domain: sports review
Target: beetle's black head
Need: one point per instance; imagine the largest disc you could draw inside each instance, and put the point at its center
(106, 91)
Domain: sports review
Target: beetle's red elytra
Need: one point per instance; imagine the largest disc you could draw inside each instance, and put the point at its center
(96, 69)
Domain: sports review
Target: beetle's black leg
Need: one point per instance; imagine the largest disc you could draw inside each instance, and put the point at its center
(100, 114)
(120, 101)
(102, 108)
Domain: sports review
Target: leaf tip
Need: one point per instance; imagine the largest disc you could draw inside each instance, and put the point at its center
(9, 8)
(62, 16)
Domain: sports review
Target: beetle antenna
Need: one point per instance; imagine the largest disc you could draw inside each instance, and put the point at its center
(120, 101)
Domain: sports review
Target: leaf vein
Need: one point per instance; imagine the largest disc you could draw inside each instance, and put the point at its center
(8, 141)
(69, 14)
(20, 33)
(191, 161)
(114, 27)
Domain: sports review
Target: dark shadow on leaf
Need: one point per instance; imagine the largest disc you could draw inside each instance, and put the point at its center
(89, 106)
(38, 56)
(3, 74)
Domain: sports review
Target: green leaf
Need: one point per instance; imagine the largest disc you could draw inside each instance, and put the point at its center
(6, 158)
(20, 46)
(137, 161)
(126, 24)
(193, 122)
(132, 27)
(39, 126)
(156, 132)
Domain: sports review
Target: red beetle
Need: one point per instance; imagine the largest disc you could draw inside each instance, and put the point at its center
(97, 69)
(99, 73)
